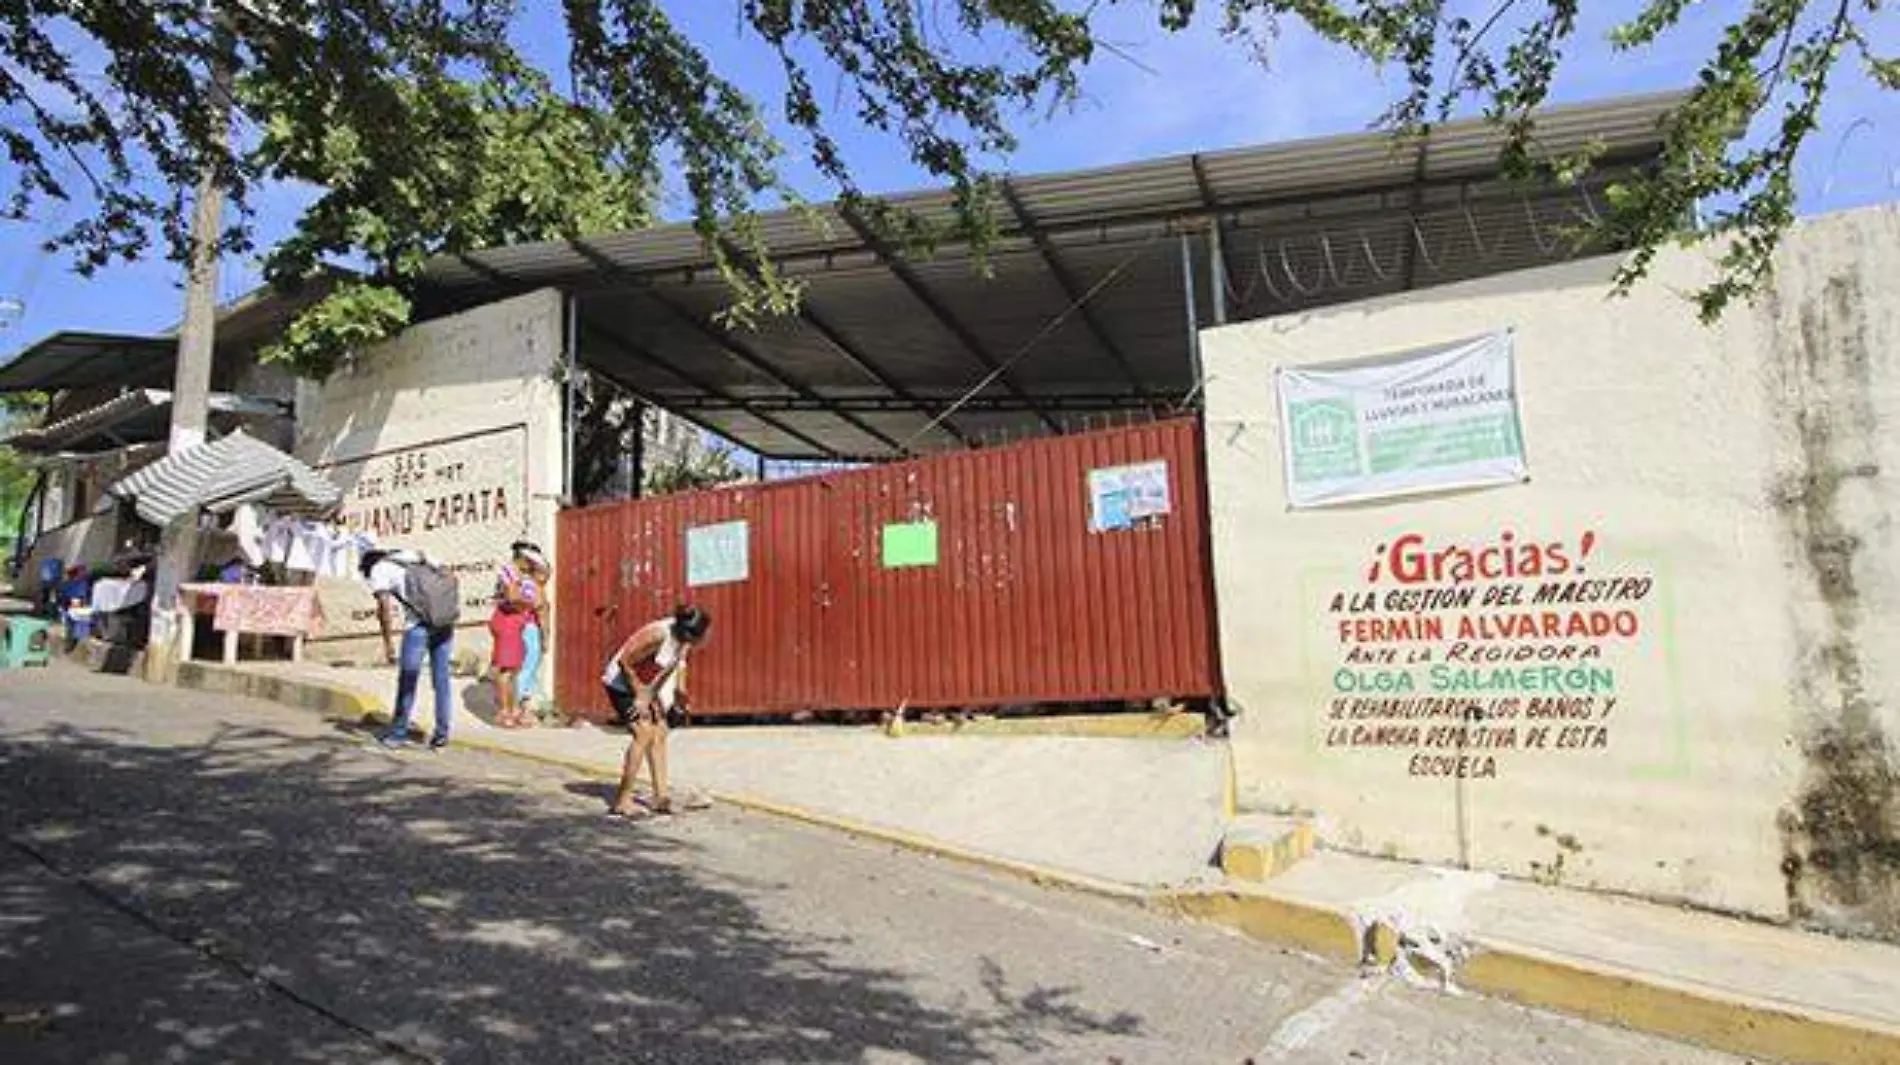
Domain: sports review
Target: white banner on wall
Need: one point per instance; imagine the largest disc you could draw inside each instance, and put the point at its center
(1425, 420)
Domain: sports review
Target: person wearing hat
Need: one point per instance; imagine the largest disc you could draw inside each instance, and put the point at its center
(517, 597)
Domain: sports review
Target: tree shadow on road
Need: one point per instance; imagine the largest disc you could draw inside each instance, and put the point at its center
(455, 921)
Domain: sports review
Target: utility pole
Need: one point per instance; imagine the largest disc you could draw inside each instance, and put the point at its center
(170, 640)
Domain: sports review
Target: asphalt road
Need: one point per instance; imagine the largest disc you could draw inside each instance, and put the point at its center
(188, 878)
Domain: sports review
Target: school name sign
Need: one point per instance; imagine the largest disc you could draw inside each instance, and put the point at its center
(1429, 420)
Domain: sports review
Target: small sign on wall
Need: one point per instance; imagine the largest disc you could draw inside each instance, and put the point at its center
(718, 554)
(1120, 497)
(910, 544)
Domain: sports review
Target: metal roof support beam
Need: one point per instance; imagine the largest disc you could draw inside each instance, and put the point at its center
(622, 344)
(731, 344)
(1216, 272)
(1193, 320)
(836, 340)
(1218, 250)
(908, 278)
(1169, 218)
(1408, 244)
(607, 266)
(646, 400)
(977, 405)
(1077, 295)
(743, 352)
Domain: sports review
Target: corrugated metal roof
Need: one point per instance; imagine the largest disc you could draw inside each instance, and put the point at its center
(223, 474)
(883, 344)
(1150, 189)
(139, 416)
(76, 359)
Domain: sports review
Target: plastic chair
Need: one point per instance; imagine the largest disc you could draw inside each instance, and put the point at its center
(26, 642)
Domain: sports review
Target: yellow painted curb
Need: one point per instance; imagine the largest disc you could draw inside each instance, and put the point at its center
(1640, 1001)
(1262, 860)
(1648, 1003)
(1310, 928)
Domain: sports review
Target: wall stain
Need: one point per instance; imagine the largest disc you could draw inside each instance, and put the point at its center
(1840, 833)
(1551, 873)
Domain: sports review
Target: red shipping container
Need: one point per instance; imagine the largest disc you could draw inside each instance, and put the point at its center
(839, 603)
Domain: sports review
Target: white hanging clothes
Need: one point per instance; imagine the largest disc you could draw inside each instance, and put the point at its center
(278, 536)
(339, 558)
(249, 532)
(308, 549)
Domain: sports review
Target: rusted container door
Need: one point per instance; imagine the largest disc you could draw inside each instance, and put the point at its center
(1019, 600)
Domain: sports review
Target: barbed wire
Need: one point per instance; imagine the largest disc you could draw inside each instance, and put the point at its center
(1298, 267)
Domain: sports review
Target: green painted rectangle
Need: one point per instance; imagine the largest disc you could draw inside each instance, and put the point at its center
(910, 544)
(1424, 447)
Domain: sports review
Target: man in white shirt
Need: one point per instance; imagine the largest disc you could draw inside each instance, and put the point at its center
(388, 575)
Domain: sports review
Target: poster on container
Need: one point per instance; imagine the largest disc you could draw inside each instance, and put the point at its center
(1121, 496)
(1426, 420)
(717, 554)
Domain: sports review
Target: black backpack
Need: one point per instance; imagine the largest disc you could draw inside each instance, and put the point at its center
(432, 594)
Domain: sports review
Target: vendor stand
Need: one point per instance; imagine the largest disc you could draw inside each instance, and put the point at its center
(216, 496)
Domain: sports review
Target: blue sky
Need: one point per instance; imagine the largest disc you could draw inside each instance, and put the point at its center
(1163, 94)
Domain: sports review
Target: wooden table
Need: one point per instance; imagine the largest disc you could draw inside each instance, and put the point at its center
(253, 609)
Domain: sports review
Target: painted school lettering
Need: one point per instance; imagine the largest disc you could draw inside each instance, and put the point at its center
(1474, 653)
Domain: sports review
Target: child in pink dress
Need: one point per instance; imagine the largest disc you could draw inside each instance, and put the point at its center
(513, 612)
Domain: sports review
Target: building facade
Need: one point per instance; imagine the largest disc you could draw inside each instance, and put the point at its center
(1701, 702)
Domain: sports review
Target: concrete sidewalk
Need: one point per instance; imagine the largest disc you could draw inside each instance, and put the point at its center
(1139, 820)
(1136, 813)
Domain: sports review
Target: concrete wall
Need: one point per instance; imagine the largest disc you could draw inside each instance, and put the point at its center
(447, 439)
(90, 542)
(1750, 472)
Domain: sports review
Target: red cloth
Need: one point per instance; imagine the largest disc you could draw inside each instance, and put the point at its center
(511, 649)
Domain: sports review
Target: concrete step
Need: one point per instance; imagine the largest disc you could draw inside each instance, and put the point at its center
(1259, 847)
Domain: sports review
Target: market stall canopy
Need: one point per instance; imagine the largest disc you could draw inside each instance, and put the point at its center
(224, 474)
(1084, 308)
(141, 416)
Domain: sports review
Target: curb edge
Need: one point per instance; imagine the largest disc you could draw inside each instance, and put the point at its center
(1627, 999)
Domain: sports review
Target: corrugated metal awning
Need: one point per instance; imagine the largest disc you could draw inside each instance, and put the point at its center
(76, 359)
(137, 417)
(223, 474)
(1079, 315)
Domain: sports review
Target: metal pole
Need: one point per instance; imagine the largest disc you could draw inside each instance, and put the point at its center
(637, 476)
(1461, 799)
(1193, 313)
(1216, 271)
(571, 406)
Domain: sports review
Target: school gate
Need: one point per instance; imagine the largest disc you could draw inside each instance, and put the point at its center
(1061, 570)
